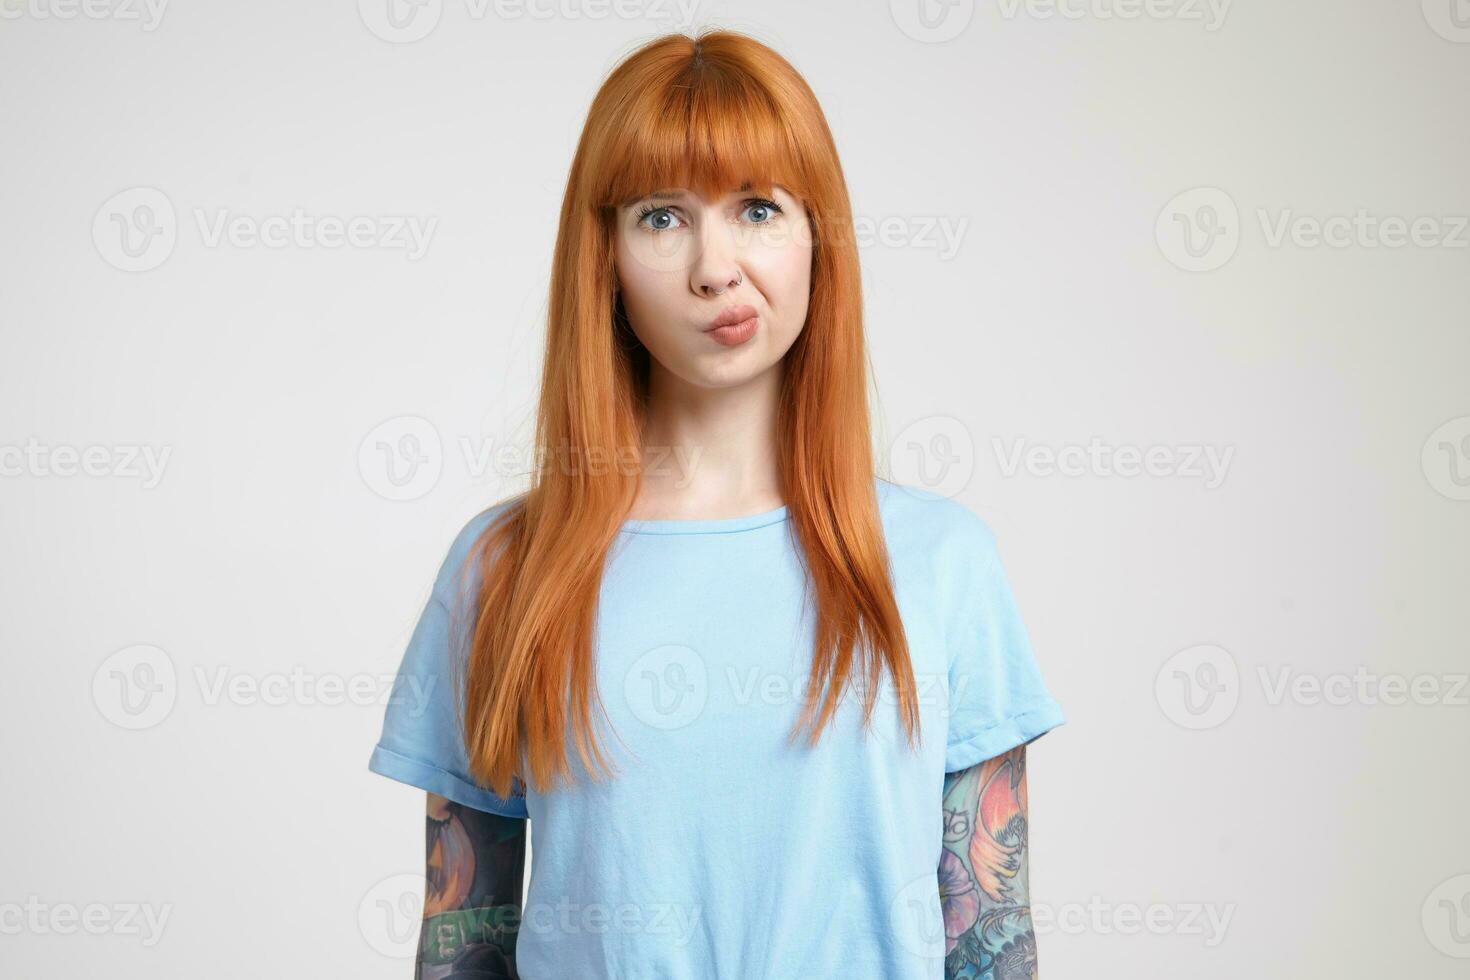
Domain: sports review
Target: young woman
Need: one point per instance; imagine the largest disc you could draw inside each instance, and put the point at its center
(766, 713)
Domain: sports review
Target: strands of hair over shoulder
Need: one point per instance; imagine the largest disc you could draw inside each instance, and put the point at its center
(711, 113)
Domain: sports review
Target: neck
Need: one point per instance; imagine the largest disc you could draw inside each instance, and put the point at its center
(710, 452)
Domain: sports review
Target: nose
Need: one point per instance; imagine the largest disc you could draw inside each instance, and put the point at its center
(717, 267)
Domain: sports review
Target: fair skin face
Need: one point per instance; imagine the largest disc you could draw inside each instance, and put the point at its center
(682, 260)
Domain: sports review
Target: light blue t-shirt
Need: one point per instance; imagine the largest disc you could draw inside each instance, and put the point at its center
(717, 851)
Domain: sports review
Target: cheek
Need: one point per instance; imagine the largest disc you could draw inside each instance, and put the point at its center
(659, 255)
(637, 283)
(786, 276)
(649, 299)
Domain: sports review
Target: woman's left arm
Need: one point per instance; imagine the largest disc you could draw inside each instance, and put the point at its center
(983, 871)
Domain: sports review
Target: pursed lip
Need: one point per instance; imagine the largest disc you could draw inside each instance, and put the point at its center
(732, 316)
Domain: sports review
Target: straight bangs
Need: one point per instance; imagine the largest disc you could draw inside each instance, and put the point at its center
(703, 127)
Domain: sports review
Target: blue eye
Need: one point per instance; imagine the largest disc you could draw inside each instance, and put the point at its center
(645, 212)
(761, 204)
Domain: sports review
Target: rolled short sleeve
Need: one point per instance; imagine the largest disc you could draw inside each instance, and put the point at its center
(997, 697)
(422, 742)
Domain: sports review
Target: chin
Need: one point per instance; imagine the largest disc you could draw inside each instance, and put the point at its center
(732, 377)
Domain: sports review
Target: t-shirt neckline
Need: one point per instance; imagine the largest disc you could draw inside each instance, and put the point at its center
(716, 525)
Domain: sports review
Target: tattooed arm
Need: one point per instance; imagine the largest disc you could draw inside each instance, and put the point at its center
(983, 886)
(472, 899)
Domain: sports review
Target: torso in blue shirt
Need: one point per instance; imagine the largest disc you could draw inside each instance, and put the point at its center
(720, 849)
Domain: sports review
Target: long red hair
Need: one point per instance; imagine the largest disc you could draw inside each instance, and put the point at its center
(708, 113)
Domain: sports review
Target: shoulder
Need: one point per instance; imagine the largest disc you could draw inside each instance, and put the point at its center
(458, 573)
(917, 519)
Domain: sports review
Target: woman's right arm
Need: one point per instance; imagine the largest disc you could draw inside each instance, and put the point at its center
(472, 898)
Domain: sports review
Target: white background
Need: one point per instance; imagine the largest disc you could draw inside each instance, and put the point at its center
(1068, 308)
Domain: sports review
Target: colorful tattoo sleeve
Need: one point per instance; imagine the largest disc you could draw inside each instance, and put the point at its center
(983, 886)
(472, 900)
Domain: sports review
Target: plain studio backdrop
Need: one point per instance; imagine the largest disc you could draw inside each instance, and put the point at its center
(1172, 294)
